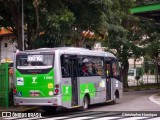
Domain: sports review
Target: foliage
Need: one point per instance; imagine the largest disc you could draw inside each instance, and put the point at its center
(89, 15)
(140, 71)
(46, 28)
(124, 34)
(147, 2)
(52, 23)
(55, 24)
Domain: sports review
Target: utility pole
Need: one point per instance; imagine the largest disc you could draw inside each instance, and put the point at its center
(22, 27)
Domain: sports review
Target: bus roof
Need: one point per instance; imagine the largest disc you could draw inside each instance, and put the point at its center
(71, 50)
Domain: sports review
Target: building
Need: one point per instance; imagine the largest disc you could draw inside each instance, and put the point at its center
(7, 46)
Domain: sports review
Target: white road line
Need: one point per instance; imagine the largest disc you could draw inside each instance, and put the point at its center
(158, 118)
(10, 118)
(134, 118)
(68, 118)
(108, 118)
(151, 98)
(20, 118)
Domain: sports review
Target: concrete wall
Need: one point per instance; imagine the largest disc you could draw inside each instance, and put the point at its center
(7, 49)
(138, 63)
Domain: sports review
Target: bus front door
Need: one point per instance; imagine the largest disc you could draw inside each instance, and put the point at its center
(108, 79)
(73, 71)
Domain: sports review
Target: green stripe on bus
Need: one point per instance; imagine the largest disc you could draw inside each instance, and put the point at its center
(87, 88)
(66, 93)
(28, 83)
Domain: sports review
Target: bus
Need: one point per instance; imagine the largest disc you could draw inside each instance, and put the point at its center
(66, 77)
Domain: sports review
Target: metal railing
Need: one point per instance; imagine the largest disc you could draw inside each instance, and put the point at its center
(145, 79)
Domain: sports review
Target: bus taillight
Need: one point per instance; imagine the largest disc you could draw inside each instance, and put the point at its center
(14, 91)
(56, 89)
(57, 86)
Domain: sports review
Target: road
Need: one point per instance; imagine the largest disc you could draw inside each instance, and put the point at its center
(130, 103)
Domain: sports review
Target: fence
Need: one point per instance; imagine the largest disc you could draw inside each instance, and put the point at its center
(150, 76)
(4, 85)
(145, 79)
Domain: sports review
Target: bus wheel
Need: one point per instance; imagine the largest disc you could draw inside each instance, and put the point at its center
(49, 109)
(114, 99)
(85, 103)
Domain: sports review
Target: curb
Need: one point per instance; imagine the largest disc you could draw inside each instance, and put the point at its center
(131, 90)
(27, 109)
(20, 109)
(152, 99)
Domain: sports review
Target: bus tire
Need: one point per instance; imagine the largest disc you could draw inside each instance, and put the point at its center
(49, 109)
(114, 100)
(85, 103)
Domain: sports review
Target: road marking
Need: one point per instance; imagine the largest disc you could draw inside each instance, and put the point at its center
(151, 98)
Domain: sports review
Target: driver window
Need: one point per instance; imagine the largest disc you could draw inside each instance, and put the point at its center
(115, 69)
(65, 66)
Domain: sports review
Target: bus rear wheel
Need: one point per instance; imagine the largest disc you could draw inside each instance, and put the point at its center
(85, 103)
(114, 100)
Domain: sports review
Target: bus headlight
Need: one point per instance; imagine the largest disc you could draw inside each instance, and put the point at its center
(50, 93)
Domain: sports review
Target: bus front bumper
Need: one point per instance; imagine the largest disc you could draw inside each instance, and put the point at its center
(54, 101)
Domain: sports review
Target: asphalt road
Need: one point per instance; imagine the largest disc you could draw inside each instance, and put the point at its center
(131, 103)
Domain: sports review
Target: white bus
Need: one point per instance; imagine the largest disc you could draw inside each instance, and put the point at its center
(66, 77)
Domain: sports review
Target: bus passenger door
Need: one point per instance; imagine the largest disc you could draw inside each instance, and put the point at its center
(108, 79)
(73, 71)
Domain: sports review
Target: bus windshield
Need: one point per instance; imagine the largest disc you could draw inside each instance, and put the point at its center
(38, 61)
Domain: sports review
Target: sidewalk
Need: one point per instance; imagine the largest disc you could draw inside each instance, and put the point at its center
(155, 98)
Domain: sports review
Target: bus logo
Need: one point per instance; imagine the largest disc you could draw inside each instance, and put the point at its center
(20, 81)
(34, 80)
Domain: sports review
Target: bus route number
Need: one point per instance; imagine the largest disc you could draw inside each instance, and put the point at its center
(35, 58)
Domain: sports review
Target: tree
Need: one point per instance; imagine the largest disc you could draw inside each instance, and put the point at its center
(146, 2)
(123, 34)
(48, 28)
(89, 16)
(10, 15)
(55, 23)
(153, 48)
(151, 42)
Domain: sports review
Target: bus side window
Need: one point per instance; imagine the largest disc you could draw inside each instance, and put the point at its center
(65, 67)
(98, 66)
(85, 67)
(115, 69)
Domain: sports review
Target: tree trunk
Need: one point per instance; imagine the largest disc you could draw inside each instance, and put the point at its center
(29, 34)
(37, 20)
(19, 40)
(125, 73)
